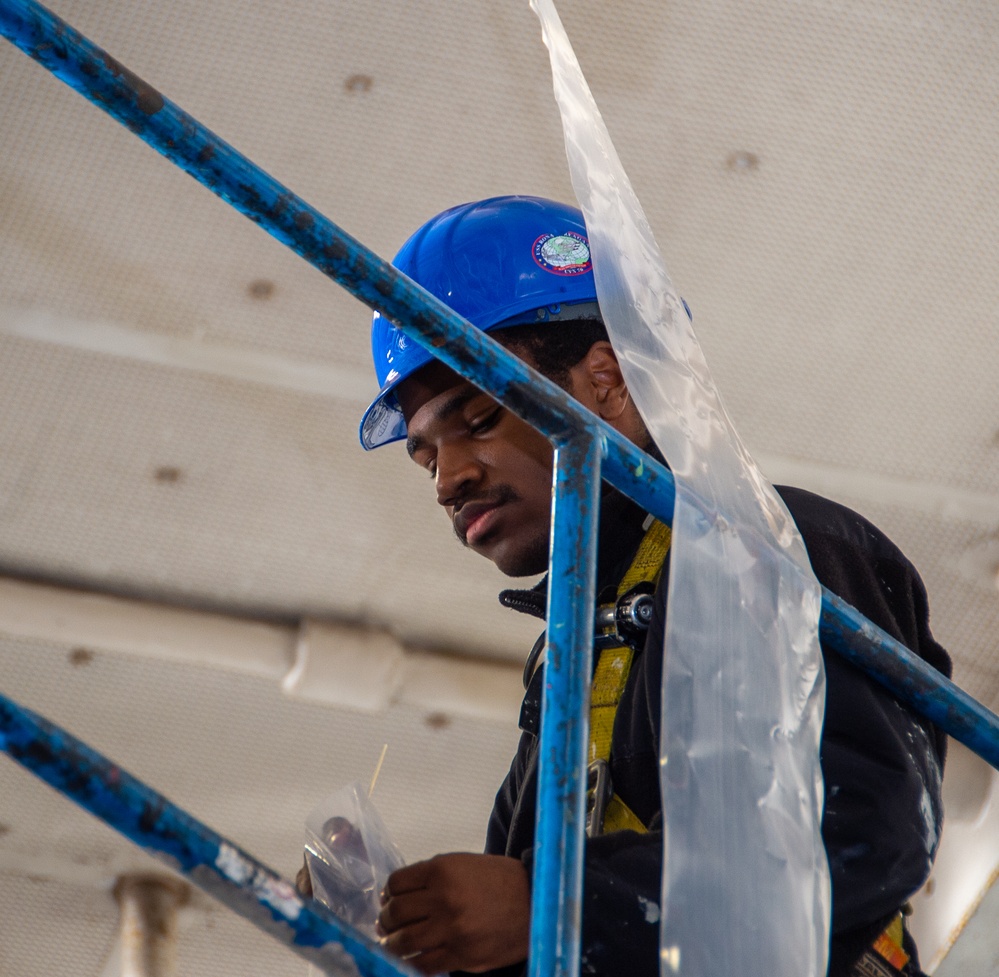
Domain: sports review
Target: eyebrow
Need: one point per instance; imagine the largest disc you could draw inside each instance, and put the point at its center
(443, 411)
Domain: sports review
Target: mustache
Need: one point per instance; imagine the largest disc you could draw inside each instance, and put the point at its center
(498, 496)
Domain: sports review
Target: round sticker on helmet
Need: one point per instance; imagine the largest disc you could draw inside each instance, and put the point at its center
(563, 254)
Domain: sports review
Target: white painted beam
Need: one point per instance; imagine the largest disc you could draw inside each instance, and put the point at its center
(354, 385)
(340, 665)
(90, 621)
(975, 953)
(325, 379)
(148, 936)
(967, 861)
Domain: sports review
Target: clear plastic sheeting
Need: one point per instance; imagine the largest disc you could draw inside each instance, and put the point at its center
(746, 883)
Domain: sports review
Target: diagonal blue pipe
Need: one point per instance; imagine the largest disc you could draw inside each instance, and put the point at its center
(216, 865)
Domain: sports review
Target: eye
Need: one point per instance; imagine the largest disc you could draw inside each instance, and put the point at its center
(484, 422)
(426, 460)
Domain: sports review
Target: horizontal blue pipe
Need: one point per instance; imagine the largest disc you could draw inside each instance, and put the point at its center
(909, 678)
(216, 865)
(557, 887)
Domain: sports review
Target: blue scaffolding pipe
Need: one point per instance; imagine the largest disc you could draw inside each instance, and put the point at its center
(587, 446)
(211, 862)
(557, 884)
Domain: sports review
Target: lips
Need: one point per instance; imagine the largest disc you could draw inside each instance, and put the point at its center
(474, 519)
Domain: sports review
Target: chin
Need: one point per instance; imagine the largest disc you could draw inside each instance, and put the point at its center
(516, 562)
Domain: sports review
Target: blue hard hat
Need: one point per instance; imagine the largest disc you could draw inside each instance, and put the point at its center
(498, 262)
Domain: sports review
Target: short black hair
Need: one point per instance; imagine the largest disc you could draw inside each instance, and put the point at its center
(556, 347)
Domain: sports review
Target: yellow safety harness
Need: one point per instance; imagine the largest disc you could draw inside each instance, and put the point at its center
(607, 811)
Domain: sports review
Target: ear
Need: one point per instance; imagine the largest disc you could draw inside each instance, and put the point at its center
(598, 383)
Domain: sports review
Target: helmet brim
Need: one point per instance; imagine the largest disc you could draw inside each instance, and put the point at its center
(383, 422)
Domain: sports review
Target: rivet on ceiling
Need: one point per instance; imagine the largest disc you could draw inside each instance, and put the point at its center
(743, 162)
(357, 84)
(260, 288)
(169, 474)
(80, 656)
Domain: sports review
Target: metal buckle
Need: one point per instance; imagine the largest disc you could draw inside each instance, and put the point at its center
(624, 623)
(599, 791)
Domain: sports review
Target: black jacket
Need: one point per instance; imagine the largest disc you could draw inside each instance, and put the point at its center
(882, 764)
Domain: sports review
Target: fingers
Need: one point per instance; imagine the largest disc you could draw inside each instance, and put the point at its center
(457, 912)
(416, 940)
(409, 878)
(303, 881)
(400, 911)
(410, 922)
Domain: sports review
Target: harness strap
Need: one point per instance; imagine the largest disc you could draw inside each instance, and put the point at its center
(611, 674)
(886, 958)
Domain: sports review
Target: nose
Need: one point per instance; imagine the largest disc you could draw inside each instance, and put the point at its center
(458, 472)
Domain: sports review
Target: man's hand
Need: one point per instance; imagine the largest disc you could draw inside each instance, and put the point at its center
(303, 881)
(458, 912)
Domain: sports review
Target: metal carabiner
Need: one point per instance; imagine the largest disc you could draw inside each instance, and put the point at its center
(599, 791)
(625, 622)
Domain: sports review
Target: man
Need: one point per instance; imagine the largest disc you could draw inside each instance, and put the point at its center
(519, 268)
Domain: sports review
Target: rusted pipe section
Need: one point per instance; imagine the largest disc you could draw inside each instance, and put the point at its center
(148, 905)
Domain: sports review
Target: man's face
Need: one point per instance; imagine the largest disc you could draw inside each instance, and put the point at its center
(492, 471)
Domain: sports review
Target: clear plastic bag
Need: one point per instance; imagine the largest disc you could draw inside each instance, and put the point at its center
(350, 856)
